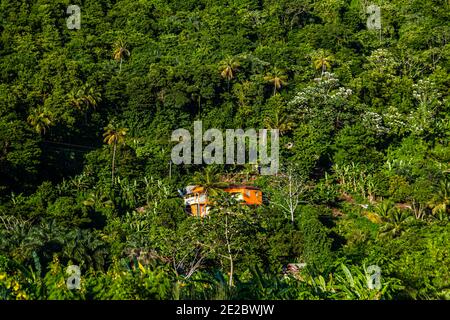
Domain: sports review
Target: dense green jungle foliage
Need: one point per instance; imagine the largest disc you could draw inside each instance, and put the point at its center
(86, 117)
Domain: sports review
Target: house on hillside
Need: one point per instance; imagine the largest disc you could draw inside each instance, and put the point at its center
(197, 204)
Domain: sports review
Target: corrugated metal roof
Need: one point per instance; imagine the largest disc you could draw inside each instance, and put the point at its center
(191, 189)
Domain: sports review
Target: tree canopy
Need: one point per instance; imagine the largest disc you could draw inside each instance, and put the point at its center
(86, 179)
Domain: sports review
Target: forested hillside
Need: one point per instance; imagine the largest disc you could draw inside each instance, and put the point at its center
(86, 179)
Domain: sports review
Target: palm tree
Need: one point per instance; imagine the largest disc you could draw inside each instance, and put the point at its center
(75, 100)
(384, 209)
(114, 136)
(85, 96)
(228, 67)
(98, 201)
(209, 181)
(279, 121)
(396, 222)
(440, 203)
(40, 119)
(84, 247)
(322, 61)
(120, 51)
(277, 78)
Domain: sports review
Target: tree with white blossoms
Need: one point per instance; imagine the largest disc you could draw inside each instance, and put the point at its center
(394, 121)
(325, 99)
(423, 119)
(374, 121)
(382, 61)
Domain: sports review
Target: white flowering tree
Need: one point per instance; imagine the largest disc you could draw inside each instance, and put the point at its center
(428, 99)
(325, 99)
(423, 118)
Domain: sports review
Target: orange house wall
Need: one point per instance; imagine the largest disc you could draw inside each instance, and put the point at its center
(254, 197)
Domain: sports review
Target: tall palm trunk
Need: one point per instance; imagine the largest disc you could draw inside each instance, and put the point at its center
(230, 256)
(113, 163)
